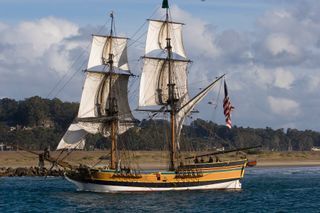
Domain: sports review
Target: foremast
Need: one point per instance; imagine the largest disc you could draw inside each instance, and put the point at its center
(104, 106)
(112, 109)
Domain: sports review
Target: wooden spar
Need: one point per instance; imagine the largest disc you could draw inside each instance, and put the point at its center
(61, 163)
(224, 152)
(171, 100)
(112, 111)
(173, 142)
(113, 146)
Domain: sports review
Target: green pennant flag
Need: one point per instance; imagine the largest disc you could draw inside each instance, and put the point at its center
(165, 4)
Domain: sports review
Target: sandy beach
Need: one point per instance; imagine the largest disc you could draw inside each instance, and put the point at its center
(156, 159)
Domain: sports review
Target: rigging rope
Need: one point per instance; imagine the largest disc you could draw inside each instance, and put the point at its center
(74, 62)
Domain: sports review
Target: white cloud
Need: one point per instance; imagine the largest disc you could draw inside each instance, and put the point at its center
(277, 21)
(32, 39)
(279, 43)
(58, 59)
(284, 107)
(313, 83)
(3, 26)
(261, 77)
(283, 78)
(34, 54)
(197, 34)
(266, 78)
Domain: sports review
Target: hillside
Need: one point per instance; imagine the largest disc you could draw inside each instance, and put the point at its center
(36, 123)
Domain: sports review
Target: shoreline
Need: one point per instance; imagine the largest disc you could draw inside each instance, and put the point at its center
(287, 165)
(35, 171)
(273, 164)
(157, 159)
(30, 172)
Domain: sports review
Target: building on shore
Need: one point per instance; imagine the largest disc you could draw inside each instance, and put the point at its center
(315, 148)
(4, 147)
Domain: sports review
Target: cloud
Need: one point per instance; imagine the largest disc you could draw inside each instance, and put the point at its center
(313, 83)
(198, 35)
(283, 78)
(289, 36)
(36, 54)
(266, 78)
(280, 44)
(284, 107)
(33, 39)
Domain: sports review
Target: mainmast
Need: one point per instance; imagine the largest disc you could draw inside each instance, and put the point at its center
(171, 99)
(112, 108)
(164, 80)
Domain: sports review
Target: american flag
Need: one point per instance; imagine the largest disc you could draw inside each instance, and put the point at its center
(227, 107)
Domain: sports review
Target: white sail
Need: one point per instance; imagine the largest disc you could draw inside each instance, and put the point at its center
(185, 106)
(154, 81)
(102, 46)
(89, 94)
(93, 105)
(95, 99)
(157, 34)
(74, 138)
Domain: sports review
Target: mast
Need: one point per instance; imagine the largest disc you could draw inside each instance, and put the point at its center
(171, 100)
(111, 110)
(164, 80)
(104, 106)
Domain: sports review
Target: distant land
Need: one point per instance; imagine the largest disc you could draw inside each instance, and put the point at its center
(36, 123)
(155, 159)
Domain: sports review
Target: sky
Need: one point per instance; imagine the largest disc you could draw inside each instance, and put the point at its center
(269, 50)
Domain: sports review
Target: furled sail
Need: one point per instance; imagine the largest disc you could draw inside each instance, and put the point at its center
(92, 115)
(102, 46)
(157, 35)
(155, 78)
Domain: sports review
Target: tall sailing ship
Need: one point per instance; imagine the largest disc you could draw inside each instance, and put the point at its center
(104, 109)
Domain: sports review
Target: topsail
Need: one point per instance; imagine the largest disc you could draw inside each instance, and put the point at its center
(102, 46)
(157, 35)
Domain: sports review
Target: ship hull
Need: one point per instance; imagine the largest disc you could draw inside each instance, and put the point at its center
(224, 175)
(83, 186)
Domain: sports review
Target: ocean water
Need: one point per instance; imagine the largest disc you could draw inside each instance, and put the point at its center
(293, 189)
